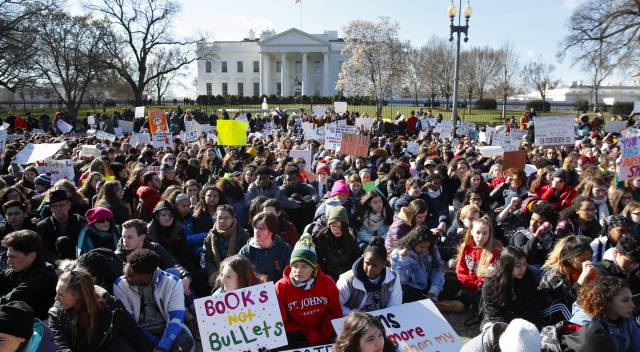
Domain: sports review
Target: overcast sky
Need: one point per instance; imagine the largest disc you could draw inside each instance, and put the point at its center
(535, 27)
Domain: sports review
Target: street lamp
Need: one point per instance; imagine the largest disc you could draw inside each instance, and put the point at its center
(452, 11)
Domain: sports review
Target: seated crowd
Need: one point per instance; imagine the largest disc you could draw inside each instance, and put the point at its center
(112, 260)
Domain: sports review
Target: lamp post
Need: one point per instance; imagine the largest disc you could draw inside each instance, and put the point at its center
(452, 11)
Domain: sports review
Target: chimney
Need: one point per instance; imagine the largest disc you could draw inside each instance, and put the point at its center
(252, 34)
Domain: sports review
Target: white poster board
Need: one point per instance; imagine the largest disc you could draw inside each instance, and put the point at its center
(554, 130)
(491, 151)
(247, 319)
(140, 138)
(63, 126)
(413, 148)
(126, 126)
(507, 141)
(36, 152)
(105, 136)
(190, 136)
(59, 169)
(304, 154)
(320, 348)
(312, 133)
(162, 140)
(139, 112)
(333, 135)
(319, 110)
(340, 107)
(629, 167)
(90, 151)
(615, 126)
(3, 140)
(91, 120)
(365, 122)
(415, 325)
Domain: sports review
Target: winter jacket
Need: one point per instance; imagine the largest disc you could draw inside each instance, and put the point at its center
(203, 222)
(521, 301)
(35, 286)
(353, 294)
(268, 261)
(149, 196)
(167, 261)
(624, 331)
(272, 192)
(48, 231)
(449, 249)
(438, 208)
(41, 340)
(600, 245)
(422, 272)
(211, 256)
(555, 289)
(116, 322)
(6, 229)
(310, 311)
(89, 238)
(168, 296)
(335, 254)
(572, 226)
(561, 201)
(174, 240)
(535, 248)
(466, 268)
(194, 238)
(398, 229)
(610, 268)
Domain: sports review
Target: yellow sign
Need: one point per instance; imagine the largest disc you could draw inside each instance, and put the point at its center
(232, 132)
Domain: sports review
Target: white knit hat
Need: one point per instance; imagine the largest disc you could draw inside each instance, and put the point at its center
(521, 336)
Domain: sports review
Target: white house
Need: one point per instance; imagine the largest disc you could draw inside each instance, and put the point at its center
(289, 63)
(607, 94)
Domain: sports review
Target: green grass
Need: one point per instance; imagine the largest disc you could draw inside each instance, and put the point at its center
(475, 115)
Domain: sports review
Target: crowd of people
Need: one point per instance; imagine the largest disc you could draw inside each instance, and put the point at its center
(113, 259)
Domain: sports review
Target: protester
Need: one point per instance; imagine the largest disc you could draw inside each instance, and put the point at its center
(362, 332)
(236, 272)
(268, 253)
(336, 245)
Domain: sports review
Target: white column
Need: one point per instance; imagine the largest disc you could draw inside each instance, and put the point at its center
(304, 74)
(325, 70)
(283, 75)
(262, 79)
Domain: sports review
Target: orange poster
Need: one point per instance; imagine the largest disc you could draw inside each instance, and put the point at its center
(158, 121)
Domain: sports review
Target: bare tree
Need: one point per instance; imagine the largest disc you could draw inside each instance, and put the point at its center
(377, 58)
(486, 62)
(159, 86)
(613, 24)
(508, 74)
(68, 55)
(468, 72)
(413, 77)
(539, 75)
(600, 66)
(139, 30)
(18, 33)
(440, 65)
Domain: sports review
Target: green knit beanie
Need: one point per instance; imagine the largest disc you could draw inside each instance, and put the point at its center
(304, 251)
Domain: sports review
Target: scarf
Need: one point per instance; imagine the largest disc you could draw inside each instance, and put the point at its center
(435, 194)
(231, 238)
(603, 209)
(373, 222)
(305, 285)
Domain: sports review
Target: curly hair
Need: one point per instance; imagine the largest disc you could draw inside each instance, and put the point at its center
(595, 296)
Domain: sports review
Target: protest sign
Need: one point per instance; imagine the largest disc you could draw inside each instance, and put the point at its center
(36, 152)
(152, 168)
(514, 160)
(615, 126)
(506, 141)
(140, 138)
(242, 118)
(105, 136)
(90, 151)
(554, 130)
(158, 121)
(319, 111)
(413, 148)
(320, 348)
(315, 134)
(37, 131)
(91, 120)
(482, 137)
(517, 134)
(365, 122)
(340, 107)
(190, 136)
(231, 132)
(491, 151)
(117, 131)
(304, 154)
(63, 126)
(126, 126)
(3, 140)
(444, 129)
(465, 128)
(139, 112)
(297, 127)
(369, 186)
(416, 326)
(333, 135)
(246, 319)
(630, 160)
(162, 139)
(352, 144)
(636, 107)
(530, 169)
(58, 169)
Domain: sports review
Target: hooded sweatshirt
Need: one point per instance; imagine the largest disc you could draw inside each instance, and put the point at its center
(268, 261)
(466, 269)
(309, 311)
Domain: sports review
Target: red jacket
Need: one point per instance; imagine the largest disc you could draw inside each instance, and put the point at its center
(466, 268)
(559, 202)
(150, 196)
(412, 123)
(309, 312)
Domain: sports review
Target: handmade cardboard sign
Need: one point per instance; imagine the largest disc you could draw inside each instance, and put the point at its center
(232, 132)
(58, 169)
(352, 144)
(162, 140)
(247, 319)
(630, 160)
(158, 121)
(63, 126)
(340, 107)
(416, 326)
(126, 126)
(615, 126)
(36, 152)
(90, 151)
(554, 130)
(139, 112)
(515, 159)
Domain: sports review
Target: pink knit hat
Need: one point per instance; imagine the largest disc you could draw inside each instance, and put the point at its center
(339, 187)
(98, 213)
(322, 167)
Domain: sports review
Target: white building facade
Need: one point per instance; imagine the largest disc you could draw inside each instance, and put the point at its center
(290, 63)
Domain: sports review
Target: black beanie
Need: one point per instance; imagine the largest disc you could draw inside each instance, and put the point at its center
(16, 319)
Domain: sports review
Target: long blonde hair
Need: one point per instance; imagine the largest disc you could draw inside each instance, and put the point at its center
(484, 264)
(564, 251)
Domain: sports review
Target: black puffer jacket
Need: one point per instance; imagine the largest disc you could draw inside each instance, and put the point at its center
(521, 303)
(116, 322)
(554, 288)
(35, 286)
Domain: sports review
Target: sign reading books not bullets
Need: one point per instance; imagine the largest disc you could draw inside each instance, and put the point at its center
(247, 319)
(416, 326)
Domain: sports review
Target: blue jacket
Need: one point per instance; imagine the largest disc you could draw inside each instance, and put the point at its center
(194, 240)
(271, 261)
(85, 244)
(423, 272)
(168, 296)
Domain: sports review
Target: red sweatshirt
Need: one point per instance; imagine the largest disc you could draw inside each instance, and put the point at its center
(466, 268)
(309, 312)
(559, 202)
(150, 196)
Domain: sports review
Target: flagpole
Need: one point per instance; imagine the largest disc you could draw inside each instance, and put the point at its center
(300, 3)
